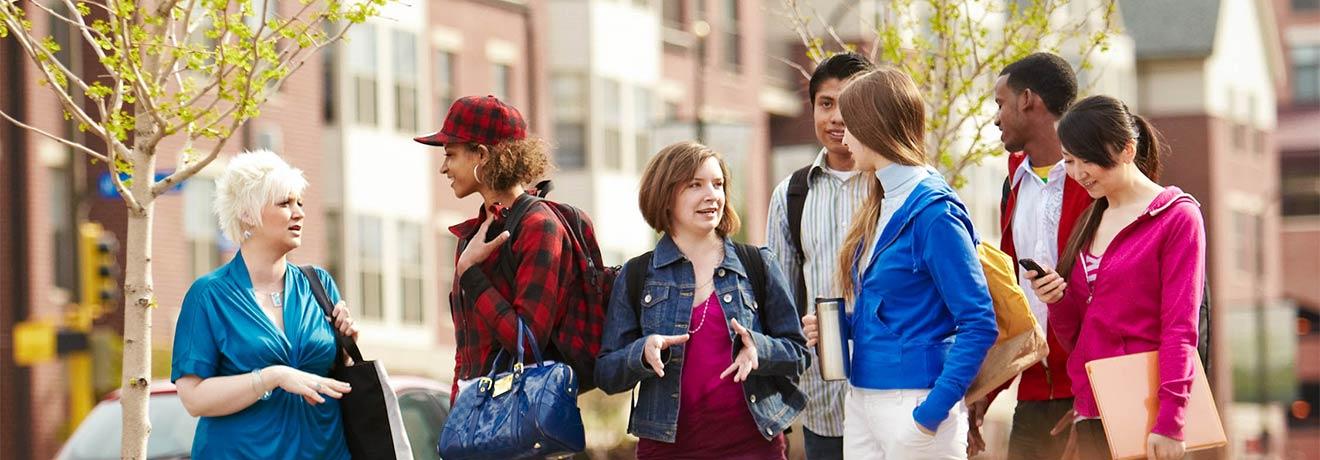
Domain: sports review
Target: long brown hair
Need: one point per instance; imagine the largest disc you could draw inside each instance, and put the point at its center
(883, 109)
(1096, 130)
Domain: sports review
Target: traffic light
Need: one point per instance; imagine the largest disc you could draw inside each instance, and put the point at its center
(96, 255)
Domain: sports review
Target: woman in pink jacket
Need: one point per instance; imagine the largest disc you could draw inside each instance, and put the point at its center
(1129, 280)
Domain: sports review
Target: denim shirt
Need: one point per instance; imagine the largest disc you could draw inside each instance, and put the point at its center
(771, 391)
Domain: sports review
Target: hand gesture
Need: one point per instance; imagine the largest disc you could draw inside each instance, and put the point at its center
(479, 249)
(746, 361)
(309, 386)
(1049, 287)
(1160, 447)
(810, 329)
(654, 344)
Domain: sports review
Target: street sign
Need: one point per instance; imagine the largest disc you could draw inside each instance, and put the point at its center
(106, 187)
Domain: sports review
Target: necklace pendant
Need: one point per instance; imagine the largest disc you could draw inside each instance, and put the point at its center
(277, 299)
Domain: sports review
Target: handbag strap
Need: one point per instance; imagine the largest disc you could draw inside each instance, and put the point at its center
(318, 290)
(523, 331)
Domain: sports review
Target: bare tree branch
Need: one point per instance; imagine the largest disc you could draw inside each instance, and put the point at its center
(74, 145)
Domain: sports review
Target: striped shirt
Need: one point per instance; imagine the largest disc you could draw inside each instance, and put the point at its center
(825, 217)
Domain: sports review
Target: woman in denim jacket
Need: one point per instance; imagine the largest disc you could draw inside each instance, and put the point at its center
(718, 368)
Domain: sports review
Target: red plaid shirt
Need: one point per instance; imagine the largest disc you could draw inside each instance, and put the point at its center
(486, 306)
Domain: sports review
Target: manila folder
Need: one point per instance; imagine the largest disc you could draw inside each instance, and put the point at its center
(1126, 388)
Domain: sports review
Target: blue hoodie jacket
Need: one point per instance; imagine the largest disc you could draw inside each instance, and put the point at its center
(923, 318)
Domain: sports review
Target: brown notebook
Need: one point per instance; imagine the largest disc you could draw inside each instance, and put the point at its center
(1125, 389)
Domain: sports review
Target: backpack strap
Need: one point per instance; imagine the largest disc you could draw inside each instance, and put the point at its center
(521, 206)
(346, 344)
(750, 256)
(798, 186)
(635, 272)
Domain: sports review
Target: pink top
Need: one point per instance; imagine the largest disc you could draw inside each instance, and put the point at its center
(1145, 297)
(713, 418)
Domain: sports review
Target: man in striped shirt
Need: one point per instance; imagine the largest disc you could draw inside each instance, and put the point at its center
(834, 190)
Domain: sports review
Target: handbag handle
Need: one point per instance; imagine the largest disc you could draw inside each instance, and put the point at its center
(322, 298)
(536, 349)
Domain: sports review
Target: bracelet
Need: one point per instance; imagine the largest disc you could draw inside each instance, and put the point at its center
(259, 384)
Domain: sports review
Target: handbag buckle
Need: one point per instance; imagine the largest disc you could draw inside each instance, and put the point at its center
(517, 368)
(484, 384)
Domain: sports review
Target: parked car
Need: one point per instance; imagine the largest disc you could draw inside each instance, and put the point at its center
(423, 404)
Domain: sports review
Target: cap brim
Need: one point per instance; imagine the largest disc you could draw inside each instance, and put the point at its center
(438, 139)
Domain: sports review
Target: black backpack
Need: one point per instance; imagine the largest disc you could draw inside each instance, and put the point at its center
(798, 185)
(596, 281)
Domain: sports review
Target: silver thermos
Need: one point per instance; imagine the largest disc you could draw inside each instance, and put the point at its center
(832, 339)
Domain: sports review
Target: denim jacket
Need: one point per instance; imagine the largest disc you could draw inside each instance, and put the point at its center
(771, 391)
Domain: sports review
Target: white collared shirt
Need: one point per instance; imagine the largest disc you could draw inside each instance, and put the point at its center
(1036, 224)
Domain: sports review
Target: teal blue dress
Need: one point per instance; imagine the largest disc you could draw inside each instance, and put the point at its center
(222, 331)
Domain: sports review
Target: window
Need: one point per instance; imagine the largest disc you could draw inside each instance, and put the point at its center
(371, 277)
(362, 59)
(1300, 183)
(330, 79)
(731, 36)
(642, 121)
(1306, 74)
(444, 83)
(500, 76)
(1247, 227)
(270, 137)
(65, 37)
(570, 112)
(64, 232)
(1305, 5)
(673, 13)
(611, 151)
(410, 272)
(199, 226)
(405, 81)
(445, 276)
(334, 236)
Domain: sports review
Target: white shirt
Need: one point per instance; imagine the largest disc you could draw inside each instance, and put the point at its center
(1036, 225)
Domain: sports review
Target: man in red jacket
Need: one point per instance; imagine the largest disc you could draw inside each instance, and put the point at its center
(1040, 206)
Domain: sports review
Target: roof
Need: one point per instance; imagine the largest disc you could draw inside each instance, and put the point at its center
(1171, 28)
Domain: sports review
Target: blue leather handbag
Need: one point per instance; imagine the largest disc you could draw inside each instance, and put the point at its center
(527, 412)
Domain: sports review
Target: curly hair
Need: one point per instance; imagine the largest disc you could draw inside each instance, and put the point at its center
(516, 163)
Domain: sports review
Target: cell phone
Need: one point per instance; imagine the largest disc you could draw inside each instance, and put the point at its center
(1028, 264)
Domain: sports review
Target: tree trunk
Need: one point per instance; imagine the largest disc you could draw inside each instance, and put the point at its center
(139, 300)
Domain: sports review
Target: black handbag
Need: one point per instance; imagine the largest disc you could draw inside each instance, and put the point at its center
(373, 427)
(527, 412)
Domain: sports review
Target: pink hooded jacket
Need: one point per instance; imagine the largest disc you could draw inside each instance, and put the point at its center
(1145, 298)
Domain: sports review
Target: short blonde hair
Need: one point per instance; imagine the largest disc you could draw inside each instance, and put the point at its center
(674, 166)
(253, 180)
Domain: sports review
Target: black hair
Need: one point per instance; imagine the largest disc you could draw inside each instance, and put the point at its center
(841, 66)
(1047, 75)
(1097, 130)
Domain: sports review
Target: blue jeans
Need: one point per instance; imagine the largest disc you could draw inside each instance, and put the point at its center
(819, 447)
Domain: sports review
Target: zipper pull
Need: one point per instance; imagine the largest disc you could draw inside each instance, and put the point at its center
(1088, 298)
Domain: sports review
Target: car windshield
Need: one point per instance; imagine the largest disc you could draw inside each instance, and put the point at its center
(98, 437)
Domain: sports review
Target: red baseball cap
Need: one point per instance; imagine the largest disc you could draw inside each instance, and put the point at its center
(478, 119)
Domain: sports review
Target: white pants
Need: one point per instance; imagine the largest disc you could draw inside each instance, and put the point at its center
(878, 424)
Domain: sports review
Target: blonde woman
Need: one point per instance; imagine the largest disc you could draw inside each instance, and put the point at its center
(252, 348)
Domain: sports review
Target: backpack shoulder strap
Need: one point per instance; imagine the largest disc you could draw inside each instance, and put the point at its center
(521, 206)
(750, 256)
(798, 186)
(323, 299)
(635, 270)
(797, 199)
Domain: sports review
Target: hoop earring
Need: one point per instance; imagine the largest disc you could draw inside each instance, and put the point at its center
(247, 234)
(476, 174)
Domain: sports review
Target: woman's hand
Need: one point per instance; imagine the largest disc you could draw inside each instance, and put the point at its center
(654, 344)
(746, 361)
(344, 321)
(478, 249)
(309, 386)
(1049, 287)
(810, 329)
(1160, 447)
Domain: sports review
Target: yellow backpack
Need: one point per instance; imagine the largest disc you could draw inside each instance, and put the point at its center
(1021, 343)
